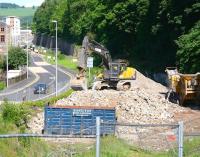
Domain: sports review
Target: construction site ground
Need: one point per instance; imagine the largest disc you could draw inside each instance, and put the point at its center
(144, 104)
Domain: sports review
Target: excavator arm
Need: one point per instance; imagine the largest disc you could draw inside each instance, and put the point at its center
(89, 47)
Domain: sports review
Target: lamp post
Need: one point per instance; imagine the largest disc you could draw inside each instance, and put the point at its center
(7, 40)
(27, 51)
(54, 21)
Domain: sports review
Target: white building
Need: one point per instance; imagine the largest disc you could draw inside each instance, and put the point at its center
(14, 23)
(26, 35)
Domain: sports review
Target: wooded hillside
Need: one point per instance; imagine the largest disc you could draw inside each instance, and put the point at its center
(9, 5)
(151, 34)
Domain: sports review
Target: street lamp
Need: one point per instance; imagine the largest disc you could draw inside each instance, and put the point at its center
(7, 40)
(54, 21)
(27, 51)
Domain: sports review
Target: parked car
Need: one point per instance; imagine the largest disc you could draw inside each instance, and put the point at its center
(40, 88)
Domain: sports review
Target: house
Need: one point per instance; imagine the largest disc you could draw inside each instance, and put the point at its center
(4, 37)
(14, 23)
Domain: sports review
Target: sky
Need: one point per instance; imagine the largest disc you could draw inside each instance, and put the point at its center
(26, 3)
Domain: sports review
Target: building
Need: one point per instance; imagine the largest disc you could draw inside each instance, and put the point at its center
(4, 37)
(26, 35)
(14, 23)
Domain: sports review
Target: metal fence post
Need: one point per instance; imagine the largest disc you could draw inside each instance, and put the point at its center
(180, 139)
(97, 136)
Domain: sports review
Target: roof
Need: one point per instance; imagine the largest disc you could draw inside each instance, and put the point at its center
(12, 17)
(3, 23)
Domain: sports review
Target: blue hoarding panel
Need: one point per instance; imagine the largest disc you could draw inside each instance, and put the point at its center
(77, 121)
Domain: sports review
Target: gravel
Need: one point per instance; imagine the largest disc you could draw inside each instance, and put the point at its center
(144, 103)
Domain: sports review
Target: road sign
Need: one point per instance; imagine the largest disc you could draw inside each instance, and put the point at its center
(90, 62)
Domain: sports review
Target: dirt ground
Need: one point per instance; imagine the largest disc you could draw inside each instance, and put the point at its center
(191, 119)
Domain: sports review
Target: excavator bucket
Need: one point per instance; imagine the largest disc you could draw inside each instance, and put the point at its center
(78, 84)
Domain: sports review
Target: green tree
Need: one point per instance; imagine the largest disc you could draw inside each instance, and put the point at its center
(142, 31)
(189, 50)
(16, 57)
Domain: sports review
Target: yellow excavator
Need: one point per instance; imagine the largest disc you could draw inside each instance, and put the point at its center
(117, 74)
(183, 88)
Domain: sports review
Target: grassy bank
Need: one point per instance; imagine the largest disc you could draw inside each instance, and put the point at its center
(13, 119)
(63, 60)
(113, 147)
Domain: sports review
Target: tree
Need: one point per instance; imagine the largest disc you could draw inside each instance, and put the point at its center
(189, 50)
(16, 57)
(142, 31)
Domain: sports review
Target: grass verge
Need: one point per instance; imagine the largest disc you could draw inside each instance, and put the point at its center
(42, 103)
(63, 60)
(113, 147)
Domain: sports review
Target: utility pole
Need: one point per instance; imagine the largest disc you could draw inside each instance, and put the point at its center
(27, 51)
(7, 40)
(54, 21)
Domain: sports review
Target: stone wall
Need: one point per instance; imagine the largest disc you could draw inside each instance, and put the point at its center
(14, 80)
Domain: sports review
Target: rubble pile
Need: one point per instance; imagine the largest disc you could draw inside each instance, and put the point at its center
(144, 103)
(137, 106)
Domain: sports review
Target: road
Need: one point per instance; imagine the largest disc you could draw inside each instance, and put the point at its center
(39, 72)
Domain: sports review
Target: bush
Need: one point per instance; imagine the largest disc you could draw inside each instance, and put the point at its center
(14, 113)
(2, 64)
(2, 85)
(61, 56)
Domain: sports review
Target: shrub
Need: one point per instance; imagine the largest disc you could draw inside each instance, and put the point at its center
(61, 56)
(14, 113)
(2, 85)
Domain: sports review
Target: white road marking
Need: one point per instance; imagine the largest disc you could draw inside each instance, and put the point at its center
(41, 63)
(38, 70)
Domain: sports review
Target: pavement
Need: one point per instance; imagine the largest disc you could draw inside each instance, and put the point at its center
(39, 72)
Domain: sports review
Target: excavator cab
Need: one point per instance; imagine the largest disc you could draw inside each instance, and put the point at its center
(114, 71)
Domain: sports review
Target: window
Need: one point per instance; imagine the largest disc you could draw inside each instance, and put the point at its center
(2, 38)
(2, 29)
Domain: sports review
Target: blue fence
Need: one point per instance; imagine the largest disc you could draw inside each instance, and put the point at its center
(72, 120)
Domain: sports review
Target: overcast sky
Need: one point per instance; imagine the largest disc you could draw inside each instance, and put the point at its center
(27, 3)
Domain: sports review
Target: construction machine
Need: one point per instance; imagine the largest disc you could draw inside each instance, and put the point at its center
(116, 75)
(183, 88)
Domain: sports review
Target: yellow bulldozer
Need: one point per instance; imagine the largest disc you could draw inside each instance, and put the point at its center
(183, 88)
(116, 73)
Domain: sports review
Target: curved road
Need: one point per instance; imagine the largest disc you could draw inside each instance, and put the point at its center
(39, 72)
